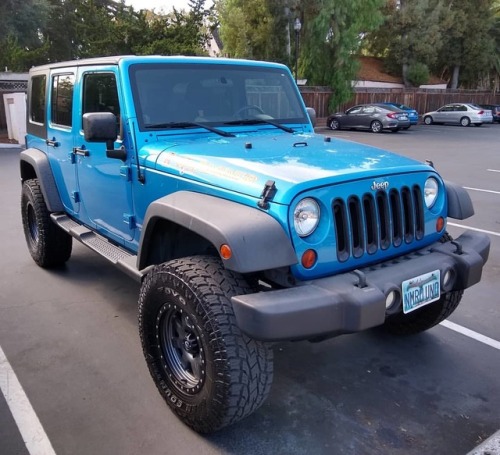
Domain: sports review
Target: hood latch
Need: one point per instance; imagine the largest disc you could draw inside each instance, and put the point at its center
(267, 194)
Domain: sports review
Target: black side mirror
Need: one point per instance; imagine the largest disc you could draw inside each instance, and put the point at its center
(100, 127)
(103, 127)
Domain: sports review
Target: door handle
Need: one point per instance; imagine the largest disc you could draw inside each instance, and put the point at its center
(81, 151)
(52, 142)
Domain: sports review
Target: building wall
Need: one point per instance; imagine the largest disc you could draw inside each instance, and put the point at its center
(10, 83)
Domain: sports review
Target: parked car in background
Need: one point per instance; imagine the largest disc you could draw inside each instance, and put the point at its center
(376, 117)
(495, 110)
(460, 113)
(412, 113)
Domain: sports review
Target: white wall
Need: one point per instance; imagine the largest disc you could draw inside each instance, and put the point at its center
(15, 112)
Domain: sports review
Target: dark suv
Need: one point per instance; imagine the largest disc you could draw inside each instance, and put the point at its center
(495, 110)
(203, 180)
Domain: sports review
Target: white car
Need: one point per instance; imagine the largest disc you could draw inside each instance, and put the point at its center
(459, 113)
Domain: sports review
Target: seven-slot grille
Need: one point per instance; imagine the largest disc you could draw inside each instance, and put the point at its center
(365, 224)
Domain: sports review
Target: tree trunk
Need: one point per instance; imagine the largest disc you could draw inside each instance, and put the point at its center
(454, 76)
(405, 75)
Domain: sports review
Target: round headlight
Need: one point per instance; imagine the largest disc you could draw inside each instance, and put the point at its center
(306, 217)
(430, 191)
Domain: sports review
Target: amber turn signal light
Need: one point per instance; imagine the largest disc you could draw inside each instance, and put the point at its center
(309, 258)
(439, 224)
(225, 251)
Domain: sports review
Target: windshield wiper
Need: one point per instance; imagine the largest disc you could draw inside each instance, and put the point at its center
(260, 121)
(172, 125)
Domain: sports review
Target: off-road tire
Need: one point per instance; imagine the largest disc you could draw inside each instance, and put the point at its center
(209, 373)
(48, 244)
(426, 317)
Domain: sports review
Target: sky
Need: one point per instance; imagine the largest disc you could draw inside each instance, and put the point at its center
(158, 5)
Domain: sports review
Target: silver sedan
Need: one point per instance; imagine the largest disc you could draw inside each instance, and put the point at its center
(460, 113)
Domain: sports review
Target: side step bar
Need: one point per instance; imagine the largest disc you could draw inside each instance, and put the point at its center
(115, 254)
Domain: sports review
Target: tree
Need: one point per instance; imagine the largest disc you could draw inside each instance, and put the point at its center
(104, 27)
(333, 32)
(20, 38)
(255, 29)
(468, 50)
(452, 38)
(495, 32)
(410, 36)
(178, 32)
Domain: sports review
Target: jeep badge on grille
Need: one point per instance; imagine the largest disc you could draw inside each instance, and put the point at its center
(379, 186)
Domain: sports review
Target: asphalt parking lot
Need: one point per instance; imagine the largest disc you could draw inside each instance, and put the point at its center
(71, 339)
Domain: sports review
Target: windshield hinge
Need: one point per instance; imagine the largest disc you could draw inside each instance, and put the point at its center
(267, 194)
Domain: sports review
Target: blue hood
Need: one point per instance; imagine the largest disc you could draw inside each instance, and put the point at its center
(296, 162)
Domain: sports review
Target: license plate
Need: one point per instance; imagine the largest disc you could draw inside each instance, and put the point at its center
(421, 290)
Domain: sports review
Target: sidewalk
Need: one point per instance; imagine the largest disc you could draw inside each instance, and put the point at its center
(5, 142)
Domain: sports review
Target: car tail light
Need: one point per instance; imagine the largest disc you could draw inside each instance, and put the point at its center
(481, 112)
(392, 115)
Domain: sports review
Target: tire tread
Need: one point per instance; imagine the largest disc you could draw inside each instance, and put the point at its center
(54, 245)
(248, 371)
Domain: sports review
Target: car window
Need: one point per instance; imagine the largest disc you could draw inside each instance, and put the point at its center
(212, 93)
(368, 110)
(100, 93)
(445, 109)
(62, 99)
(37, 99)
(354, 110)
(461, 108)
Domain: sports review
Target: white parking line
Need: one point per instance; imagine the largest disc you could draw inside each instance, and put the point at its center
(483, 191)
(474, 229)
(471, 334)
(493, 170)
(31, 429)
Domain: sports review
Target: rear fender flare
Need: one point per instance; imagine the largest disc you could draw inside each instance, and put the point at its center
(35, 164)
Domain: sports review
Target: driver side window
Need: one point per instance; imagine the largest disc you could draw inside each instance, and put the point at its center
(100, 94)
(355, 110)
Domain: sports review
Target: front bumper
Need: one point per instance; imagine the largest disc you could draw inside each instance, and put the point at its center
(355, 301)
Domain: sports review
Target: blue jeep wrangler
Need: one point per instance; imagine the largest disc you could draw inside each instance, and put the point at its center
(203, 179)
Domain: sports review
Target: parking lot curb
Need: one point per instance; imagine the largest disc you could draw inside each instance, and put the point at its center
(10, 146)
(489, 447)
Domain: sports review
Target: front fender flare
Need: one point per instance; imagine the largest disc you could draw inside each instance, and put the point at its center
(459, 202)
(39, 162)
(257, 240)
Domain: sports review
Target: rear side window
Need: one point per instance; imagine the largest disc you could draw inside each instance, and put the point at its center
(62, 99)
(37, 99)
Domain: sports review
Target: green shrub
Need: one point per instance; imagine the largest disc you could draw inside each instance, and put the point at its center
(418, 74)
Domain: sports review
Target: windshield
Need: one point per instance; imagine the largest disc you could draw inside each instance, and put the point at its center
(213, 94)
